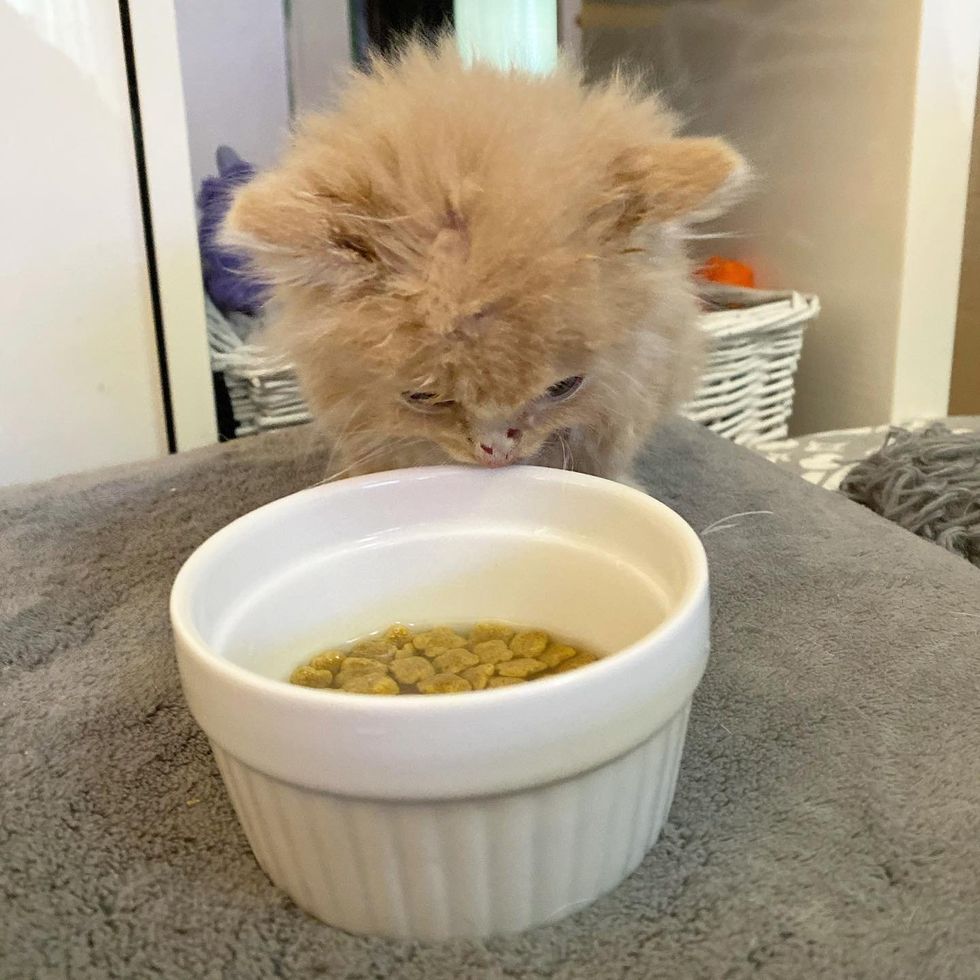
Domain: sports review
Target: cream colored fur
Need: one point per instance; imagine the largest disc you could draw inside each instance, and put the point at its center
(475, 236)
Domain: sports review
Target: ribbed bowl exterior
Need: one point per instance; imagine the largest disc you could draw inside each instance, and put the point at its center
(459, 868)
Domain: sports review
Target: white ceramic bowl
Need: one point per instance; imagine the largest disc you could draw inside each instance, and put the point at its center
(447, 815)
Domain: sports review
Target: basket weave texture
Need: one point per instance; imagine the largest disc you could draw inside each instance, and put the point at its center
(754, 341)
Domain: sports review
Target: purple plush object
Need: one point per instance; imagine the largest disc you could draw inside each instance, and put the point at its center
(226, 277)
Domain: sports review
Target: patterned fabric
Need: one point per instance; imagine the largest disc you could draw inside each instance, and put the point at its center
(824, 458)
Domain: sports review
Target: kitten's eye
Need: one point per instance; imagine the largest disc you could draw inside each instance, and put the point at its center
(565, 387)
(426, 400)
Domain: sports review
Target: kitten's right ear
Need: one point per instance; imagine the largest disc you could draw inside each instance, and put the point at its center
(681, 179)
(294, 235)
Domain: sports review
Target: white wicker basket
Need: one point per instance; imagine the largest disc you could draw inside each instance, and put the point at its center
(755, 338)
(746, 394)
(264, 392)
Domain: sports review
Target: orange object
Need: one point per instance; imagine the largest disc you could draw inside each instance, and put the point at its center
(730, 272)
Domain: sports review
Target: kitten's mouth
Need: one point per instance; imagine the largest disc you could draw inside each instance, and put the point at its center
(497, 460)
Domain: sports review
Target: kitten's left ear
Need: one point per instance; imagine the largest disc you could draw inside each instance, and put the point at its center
(683, 179)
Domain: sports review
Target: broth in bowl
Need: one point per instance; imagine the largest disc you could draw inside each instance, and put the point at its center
(441, 660)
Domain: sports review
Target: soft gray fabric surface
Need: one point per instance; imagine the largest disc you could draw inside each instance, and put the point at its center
(825, 823)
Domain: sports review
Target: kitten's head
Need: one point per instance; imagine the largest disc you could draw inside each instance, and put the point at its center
(461, 255)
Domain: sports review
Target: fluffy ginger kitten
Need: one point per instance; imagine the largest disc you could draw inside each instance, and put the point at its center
(485, 267)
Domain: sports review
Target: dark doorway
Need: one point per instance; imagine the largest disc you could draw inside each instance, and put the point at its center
(378, 25)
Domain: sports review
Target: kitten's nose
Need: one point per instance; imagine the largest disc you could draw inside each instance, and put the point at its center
(498, 448)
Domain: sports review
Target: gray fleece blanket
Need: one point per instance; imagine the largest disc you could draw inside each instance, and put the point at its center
(826, 819)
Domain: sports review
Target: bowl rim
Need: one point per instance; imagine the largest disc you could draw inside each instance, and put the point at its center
(191, 643)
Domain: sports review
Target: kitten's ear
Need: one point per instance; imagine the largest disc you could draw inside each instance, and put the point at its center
(676, 180)
(293, 234)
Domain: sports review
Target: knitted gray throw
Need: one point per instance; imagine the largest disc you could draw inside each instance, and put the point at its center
(927, 482)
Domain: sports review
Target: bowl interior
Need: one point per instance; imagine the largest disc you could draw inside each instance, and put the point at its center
(585, 559)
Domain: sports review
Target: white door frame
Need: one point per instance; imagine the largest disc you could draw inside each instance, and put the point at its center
(939, 174)
(173, 223)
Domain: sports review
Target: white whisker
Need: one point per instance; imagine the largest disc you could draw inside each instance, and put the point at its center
(567, 459)
(726, 523)
(700, 236)
(372, 452)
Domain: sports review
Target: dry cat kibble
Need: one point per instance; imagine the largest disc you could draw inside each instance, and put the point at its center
(411, 670)
(504, 681)
(440, 660)
(375, 649)
(308, 676)
(453, 661)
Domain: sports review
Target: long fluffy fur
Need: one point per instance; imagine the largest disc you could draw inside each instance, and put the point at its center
(479, 235)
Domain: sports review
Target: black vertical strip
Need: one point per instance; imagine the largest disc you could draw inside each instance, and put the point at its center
(144, 192)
